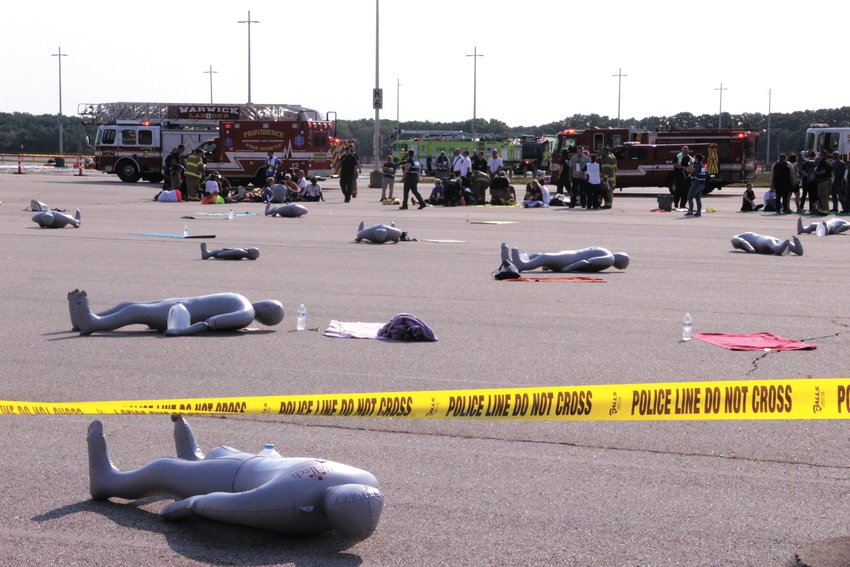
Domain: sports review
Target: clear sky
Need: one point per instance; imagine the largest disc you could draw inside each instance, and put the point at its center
(543, 60)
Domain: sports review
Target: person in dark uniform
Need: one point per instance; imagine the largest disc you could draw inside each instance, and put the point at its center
(681, 178)
(347, 173)
(412, 171)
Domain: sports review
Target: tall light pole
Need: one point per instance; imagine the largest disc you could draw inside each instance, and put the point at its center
(210, 72)
(249, 21)
(767, 157)
(397, 106)
(720, 113)
(60, 55)
(475, 55)
(377, 104)
(619, 76)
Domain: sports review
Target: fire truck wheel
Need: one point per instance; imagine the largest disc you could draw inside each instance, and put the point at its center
(128, 172)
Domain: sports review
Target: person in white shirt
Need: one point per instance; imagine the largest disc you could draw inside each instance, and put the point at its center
(594, 183)
(494, 164)
(313, 191)
(465, 167)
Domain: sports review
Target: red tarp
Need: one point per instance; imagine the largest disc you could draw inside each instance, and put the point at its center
(575, 279)
(752, 341)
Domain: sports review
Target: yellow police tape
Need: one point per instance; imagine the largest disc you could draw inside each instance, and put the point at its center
(815, 398)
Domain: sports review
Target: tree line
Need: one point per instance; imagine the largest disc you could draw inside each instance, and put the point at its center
(28, 133)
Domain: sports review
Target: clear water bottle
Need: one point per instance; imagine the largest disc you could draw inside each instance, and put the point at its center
(178, 317)
(185, 231)
(230, 214)
(302, 318)
(269, 451)
(687, 327)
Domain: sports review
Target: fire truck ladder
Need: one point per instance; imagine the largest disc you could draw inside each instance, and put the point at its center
(159, 112)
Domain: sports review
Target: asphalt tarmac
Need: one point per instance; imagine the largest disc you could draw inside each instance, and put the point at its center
(457, 492)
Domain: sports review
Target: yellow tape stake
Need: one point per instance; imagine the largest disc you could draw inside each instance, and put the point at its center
(816, 398)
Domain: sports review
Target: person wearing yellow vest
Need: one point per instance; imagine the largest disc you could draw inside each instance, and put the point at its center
(194, 172)
(609, 177)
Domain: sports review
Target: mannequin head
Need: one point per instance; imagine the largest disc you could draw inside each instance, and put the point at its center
(268, 312)
(353, 509)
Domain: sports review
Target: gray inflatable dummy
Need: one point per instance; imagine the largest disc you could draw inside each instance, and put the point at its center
(760, 244)
(291, 210)
(229, 253)
(296, 496)
(55, 219)
(216, 312)
(823, 228)
(378, 233)
(584, 260)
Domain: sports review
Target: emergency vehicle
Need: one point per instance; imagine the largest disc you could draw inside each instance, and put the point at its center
(133, 139)
(645, 159)
(536, 153)
(509, 148)
(823, 138)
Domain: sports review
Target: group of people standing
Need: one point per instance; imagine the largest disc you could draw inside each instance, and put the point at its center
(588, 179)
(820, 177)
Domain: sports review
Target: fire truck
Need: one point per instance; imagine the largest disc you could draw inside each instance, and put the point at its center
(645, 159)
(823, 138)
(133, 139)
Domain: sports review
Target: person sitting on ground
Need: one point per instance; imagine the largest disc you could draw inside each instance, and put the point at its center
(313, 191)
(289, 210)
(378, 233)
(211, 189)
(748, 203)
(296, 496)
(55, 219)
(301, 181)
(584, 260)
(823, 228)
(770, 204)
(453, 189)
(536, 195)
(215, 312)
(500, 190)
(437, 196)
(229, 253)
(293, 192)
(760, 244)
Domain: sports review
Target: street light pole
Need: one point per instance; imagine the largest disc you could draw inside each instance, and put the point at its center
(397, 106)
(60, 55)
(475, 55)
(249, 21)
(376, 140)
(619, 76)
(210, 72)
(767, 157)
(720, 113)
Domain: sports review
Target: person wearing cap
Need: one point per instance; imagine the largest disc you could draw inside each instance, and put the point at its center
(194, 173)
(388, 170)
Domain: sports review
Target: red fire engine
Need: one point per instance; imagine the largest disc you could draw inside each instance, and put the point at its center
(133, 139)
(645, 159)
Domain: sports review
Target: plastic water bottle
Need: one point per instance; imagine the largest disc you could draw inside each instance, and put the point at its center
(687, 327)
(178, 317)
(230, 214)
(302, 318)
(269, 451)
(185, 231)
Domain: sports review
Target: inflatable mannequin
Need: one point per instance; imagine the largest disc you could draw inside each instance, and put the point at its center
(378, 233)
(229, 253)
(584, 260)
(55, 219)
(291, 210)
(760, 244)
(216, 312)
(832, 226)
(295, 496)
